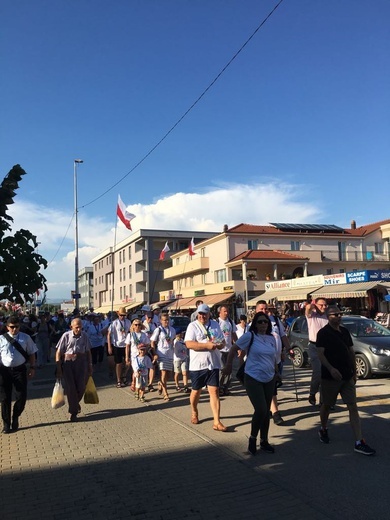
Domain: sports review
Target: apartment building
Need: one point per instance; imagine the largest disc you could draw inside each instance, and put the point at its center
(132, 274)
(240, 263)
(86, 288)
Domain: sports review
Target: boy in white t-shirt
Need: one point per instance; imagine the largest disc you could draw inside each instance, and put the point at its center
(141, 365)
(180, 361)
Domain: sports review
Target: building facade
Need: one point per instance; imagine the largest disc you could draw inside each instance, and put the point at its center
(132, 275)
(86, 288)
(239, 264)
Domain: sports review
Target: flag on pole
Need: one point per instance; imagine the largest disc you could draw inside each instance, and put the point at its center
(164, 250)
(124, 215)
(191, 247)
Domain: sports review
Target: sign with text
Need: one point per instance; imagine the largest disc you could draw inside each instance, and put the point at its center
(333, 279)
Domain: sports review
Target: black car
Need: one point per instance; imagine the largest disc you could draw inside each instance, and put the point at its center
(180, 323)
(371, 343)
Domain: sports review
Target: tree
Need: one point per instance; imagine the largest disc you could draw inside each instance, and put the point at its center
(19, 262)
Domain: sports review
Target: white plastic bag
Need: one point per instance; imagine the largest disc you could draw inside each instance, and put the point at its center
(58, 397)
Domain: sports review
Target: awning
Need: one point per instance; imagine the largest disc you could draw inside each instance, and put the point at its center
(183, 303)
(104, 309)
(190, 302)
(214, 299)
(284, 296)
(348, 290)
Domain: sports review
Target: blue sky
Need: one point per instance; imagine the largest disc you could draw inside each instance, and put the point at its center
(296, 129)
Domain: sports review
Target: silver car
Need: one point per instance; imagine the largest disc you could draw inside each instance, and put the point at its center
(371, 343)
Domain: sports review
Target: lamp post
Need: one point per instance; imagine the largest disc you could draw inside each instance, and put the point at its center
(76, 235)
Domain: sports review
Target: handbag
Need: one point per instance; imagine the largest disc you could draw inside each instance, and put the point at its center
(90, 395)
(58, 397)
(241, 371)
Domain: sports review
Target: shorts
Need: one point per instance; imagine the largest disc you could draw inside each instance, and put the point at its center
(180, 366)
(331, 388)
(119, 354)
(201, 378)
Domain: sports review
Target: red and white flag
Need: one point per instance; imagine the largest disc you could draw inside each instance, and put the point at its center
(124, 215)
(164, 250)
(191, 247)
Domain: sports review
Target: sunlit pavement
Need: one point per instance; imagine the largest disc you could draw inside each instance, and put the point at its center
(126, 459)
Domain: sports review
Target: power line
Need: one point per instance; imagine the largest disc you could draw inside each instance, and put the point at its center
(189, 109)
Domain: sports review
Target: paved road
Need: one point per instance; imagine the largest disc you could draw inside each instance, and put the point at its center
(125, 459)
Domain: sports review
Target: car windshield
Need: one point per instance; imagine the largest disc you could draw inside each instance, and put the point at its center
(362, 328)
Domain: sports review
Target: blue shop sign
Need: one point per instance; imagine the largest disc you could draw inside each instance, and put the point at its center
(380, 275)
(357, 276)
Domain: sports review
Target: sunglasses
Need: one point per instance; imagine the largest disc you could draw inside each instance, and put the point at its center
(137, 324)
(261, 321)
(14, 326)
(335, 314)
(122, 315)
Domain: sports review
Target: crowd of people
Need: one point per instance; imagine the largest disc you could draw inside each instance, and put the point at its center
(144, 350)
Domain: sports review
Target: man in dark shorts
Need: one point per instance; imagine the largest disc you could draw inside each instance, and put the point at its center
(338, 376)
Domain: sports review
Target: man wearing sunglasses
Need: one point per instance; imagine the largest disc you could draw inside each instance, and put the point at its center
(16, 349)
(116, 344)
(338, 376)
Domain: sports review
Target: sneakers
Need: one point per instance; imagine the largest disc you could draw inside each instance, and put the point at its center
(364, 448)
(324, 437)
(312, 399)
(266, 446)
(278, 419)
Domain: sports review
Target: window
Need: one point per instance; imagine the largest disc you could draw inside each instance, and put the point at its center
(203, 252)
(295, 245)
(130, 271)
(379, 249)
(220, 276)
(342, 251)
(120, 293)
(129, 252)
(123, 255)
(120, 257)
(253, 244)
(130, 291)
(329, 271)
(124, 274)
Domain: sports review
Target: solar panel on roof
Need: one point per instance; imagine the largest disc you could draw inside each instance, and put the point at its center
(319, 228)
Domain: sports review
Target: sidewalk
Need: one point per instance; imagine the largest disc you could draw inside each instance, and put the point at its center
(126, 459)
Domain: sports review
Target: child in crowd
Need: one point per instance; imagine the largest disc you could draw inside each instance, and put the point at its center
(141, 365)
(180, 361)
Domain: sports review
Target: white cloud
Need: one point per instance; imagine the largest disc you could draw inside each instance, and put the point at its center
(229, 204)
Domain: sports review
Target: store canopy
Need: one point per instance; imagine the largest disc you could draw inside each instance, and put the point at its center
(190, 302)
(285, 295)
(348, 290)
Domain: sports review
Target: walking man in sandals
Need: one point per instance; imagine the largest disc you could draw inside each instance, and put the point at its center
(204, 339)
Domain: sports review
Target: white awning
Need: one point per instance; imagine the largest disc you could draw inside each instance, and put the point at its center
(299, 293)
(348, 290)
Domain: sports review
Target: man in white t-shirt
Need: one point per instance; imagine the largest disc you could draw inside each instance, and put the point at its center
(229, 331)
(204, 339)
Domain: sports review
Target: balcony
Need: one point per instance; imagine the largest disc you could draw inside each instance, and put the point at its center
(193, 266)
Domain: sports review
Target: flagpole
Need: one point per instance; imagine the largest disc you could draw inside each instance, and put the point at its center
(113, 268)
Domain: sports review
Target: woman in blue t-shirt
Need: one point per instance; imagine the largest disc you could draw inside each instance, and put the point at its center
(260, 372)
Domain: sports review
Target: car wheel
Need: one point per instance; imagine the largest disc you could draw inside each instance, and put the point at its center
(299, 358)
(363, 369)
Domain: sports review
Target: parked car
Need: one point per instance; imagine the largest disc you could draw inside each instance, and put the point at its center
(180, 323)
(371, 343)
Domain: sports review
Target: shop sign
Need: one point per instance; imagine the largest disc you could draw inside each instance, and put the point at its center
(333, 279)
(357, 276)
(379, 275)
(307, 281)
(277, 285)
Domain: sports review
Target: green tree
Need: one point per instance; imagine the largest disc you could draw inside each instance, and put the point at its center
(19, 262)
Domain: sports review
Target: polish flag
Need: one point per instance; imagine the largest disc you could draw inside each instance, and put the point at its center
(191, 247)
(164, 250)
(124, 215)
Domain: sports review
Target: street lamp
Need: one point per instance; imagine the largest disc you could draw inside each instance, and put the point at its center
(76, 235)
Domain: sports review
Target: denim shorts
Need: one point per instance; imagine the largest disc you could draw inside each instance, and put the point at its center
(201, 378)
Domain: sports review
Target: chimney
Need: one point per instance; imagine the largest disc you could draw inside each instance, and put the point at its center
(353, 224)
(225, 228)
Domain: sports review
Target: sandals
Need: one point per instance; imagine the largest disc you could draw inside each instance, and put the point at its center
(194, 418)
(159, 386)
(119, 385)
(151, 388)
(166, 397)
(219, 427)
(178, 389)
